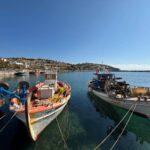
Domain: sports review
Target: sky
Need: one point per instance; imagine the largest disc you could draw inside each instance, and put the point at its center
(75, 31)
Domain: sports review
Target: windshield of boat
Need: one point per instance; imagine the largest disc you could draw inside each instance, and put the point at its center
(104, 76)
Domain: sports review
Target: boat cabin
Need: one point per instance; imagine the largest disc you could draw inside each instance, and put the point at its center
(99, 81)
(50, 85)
(51, 78)
(104, 76)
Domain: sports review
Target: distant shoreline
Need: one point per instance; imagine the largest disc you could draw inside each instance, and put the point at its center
(9, 65)
(134, 71)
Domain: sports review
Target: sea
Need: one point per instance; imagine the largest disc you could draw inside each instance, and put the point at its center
(85, 121)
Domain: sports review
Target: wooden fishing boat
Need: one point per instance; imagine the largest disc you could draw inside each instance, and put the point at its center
(40, 116)
(111, 90)
(41, 104)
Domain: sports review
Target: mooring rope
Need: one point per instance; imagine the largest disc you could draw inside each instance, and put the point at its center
(69, 127)
(2, 129)
(113, 129)
(65, 143)
(3, 116)
(123, 128)
(68, 122)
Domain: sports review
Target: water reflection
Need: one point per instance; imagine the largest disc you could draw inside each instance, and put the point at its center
(89, 121)
(50, 138)
(138, 125)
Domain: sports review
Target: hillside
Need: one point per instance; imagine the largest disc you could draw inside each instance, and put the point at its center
(92, 66)
(27, 63)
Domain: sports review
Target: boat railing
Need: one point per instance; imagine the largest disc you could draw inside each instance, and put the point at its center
(62, 82)
(69, 87)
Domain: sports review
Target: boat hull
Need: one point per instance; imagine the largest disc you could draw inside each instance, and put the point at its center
(142, 107)
(37, 122)
(37, 116)
(21, 116)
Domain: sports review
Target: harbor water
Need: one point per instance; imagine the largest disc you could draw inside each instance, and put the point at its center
(84, 122)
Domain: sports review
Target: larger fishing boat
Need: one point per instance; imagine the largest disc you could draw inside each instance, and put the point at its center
(39, 105)
(117, 92)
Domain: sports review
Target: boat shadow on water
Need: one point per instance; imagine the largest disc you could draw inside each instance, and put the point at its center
(137, 125)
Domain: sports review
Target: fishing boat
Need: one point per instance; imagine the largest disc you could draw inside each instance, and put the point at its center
(19, 74)
(39, 105)
(113, 90)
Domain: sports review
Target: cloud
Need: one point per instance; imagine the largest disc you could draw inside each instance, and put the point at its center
(132, 66)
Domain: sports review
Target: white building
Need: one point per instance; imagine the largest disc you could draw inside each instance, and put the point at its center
(17, 63)
(4, 59)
